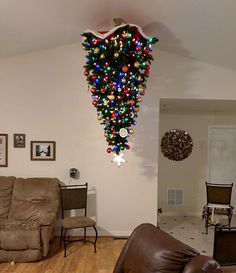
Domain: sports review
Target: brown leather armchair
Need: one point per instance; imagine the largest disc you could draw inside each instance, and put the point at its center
(151, 250)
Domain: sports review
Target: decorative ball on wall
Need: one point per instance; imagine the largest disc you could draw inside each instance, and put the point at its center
(176, 144)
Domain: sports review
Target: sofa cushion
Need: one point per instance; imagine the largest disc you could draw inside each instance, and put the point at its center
(6, 185)
(35, 199)
(23, 256)
(19, 235)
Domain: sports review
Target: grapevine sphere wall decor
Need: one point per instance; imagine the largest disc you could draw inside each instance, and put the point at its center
(117, 67)
(176, 144)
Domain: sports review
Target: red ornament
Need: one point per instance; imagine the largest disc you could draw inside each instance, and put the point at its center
(93, 89)
(131, 102)
(94, 102)
(125, 68)
(86, 73)
(109, 150)
(127, 147)
(126, 91)
(103, 89)
(138, 48)
(114, 133)
(94, 77)
(114, 115)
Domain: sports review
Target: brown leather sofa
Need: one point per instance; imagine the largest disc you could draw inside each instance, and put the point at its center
(28, 208)
(151, 250)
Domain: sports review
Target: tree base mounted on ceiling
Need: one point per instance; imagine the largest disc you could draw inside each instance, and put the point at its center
(117, 67)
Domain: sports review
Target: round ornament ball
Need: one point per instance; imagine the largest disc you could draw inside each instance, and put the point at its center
(116, 54)
(93, 89)
(136, 64)
(94, 102)
(111, 97)
(131, 130)
(86, 73)
(102, 56)
(96, 50)
(99, 117)
(127, 147)
(125, 68)
(103, 90)
(132, 102)
(123, 80)
(123, 132)
(109, 150)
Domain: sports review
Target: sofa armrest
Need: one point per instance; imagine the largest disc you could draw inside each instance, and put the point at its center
(47, 219)
(202, 264)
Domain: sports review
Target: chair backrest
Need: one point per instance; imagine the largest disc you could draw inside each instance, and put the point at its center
(224, 250)
(74, 197)
(219, 193)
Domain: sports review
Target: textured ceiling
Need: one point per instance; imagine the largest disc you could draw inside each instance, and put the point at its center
(202, 29)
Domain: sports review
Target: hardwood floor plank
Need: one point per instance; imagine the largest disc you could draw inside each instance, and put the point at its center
(80, 258)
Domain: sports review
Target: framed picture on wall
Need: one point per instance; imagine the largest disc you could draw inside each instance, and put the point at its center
(43, 150)
(19, 140)
(3, 150)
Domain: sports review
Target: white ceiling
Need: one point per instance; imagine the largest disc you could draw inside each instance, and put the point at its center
(202, 29)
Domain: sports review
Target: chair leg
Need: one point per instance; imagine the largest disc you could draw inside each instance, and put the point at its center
(96, 237)
(61, 235)
(85, 234)
(65, 242)
(229, 217)
(207, 220)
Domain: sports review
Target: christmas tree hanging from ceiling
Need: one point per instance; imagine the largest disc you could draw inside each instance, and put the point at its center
(117, 67)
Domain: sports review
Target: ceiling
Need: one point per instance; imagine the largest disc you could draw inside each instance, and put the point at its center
(202, 29)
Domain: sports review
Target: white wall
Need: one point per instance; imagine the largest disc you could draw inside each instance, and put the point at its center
(191, 173)
(44, 95)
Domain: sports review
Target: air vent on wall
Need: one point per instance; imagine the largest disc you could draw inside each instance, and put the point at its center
(175, 197)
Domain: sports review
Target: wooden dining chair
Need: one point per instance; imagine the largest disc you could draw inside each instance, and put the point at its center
(218, 202)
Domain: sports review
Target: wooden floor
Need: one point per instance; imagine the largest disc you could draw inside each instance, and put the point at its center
(80, 259)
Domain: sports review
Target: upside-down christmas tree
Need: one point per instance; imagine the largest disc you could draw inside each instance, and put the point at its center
(117, 67)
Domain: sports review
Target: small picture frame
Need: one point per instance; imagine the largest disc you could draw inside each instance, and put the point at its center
(43, 150)
(3, 150)
(19, 140)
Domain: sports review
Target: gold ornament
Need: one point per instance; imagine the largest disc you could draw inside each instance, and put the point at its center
(102, 56)
(140, 88)
(136, 109)
(131, 130)
(96, 50)
(111, 97)
(123, 80)
(99, 117)
(116, 54)
(142, 93)
(136, 64)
